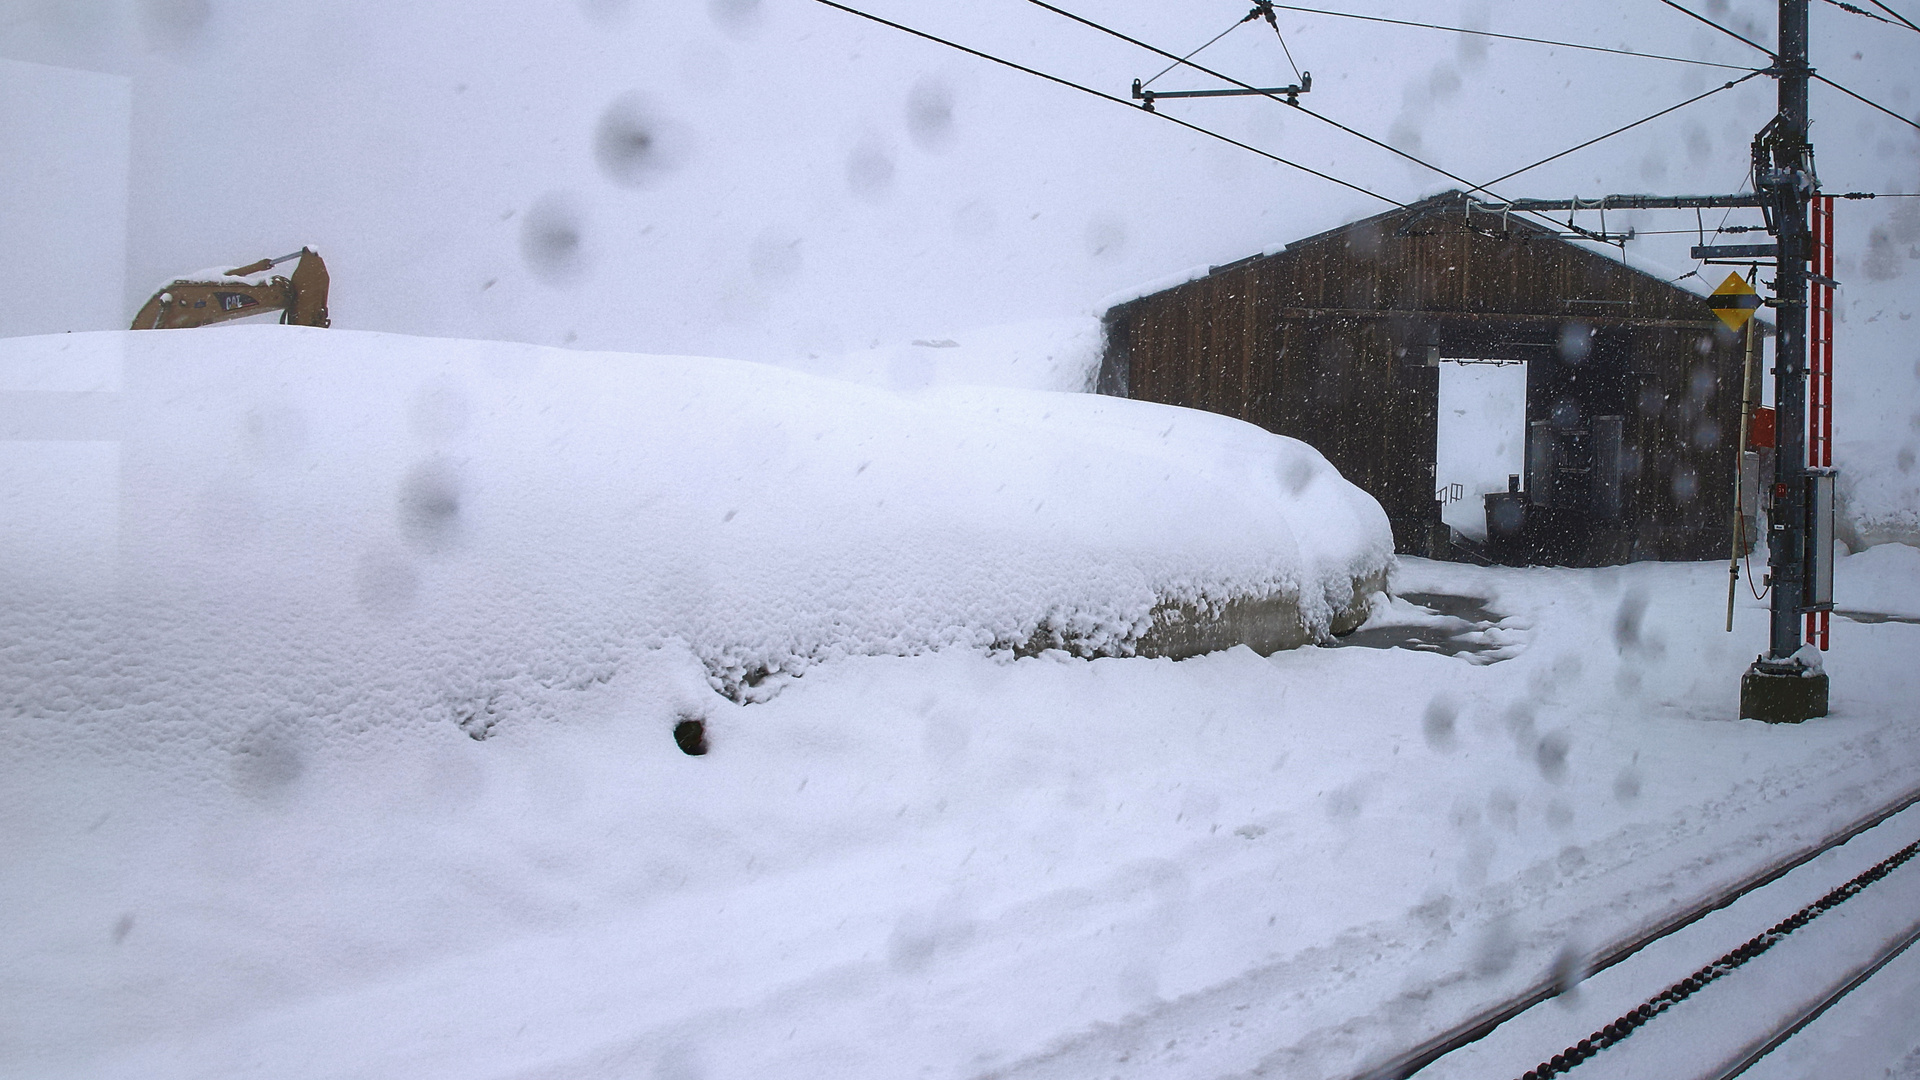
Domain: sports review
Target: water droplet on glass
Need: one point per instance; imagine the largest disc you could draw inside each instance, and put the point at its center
(430, 505)
(1494, 950)
(636, 145)
(930, 113)
(1626, 786)
(1568, 972)
(175, 24)
(1106, 237)
(1551, 755)
(775, 256)
(1576, 342)
(739, 18)
(1626, 620)
(1686, 484)
(870, 170)
(1438, 723)
(553, 239)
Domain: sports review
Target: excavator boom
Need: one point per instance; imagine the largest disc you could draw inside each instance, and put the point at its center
(221, 297)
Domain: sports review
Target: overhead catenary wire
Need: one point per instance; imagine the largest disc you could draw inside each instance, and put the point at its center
(1700, 225)
(1293, 102)
(1701, 230)
(1264, 8)
(1177, 61)
(1866, 101)
(1904, 21)
(1508, 37)
(1108, 97)
(1204, 70)
(1684, 10)
(1250, 16)
(1844, 6)
(1471, 186)
(1627, 127)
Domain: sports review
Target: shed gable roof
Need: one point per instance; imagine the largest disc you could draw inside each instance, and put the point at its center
(1489, 237)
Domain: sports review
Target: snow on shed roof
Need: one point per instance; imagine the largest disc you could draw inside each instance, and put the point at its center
(1693, 282)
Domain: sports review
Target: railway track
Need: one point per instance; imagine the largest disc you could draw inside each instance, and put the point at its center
(1712, 989)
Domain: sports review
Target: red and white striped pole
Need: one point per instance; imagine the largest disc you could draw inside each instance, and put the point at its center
(1820, 369)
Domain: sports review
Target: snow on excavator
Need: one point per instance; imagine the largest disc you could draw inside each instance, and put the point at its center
(220, 295)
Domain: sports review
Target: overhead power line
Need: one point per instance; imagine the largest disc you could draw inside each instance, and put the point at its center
(1628, 127)
(1196, 52)
(1111, 32)
(1471, 186)
(1737, 37)
(1107, 97)
(1508, 37)
(1844, 6)
(1261, 9)
(1295, 103)
(1264, 9)
(1873, 104)
(1904, 21)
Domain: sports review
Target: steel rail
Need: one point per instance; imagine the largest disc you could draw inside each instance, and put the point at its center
(1750, 1055)
(1482, 1024)
(1623, 1028)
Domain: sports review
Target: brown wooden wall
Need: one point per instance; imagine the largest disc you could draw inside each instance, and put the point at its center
(1328, 342)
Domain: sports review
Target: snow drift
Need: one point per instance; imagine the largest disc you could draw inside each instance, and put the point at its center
(1879, 494)
(368, 526)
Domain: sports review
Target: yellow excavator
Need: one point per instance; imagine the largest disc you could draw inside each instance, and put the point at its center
(218, 296)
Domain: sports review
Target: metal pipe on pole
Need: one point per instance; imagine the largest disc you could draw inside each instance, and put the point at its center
(1750, 359)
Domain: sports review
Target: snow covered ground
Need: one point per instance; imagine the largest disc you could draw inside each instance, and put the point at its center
(248, 833)
(946, 865)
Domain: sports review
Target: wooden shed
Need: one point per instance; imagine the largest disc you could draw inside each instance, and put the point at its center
(1632, 385)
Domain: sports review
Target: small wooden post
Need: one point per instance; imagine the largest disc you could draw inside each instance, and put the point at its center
(1740, 466)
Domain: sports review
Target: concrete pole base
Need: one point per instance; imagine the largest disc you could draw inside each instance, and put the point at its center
(1782, 692)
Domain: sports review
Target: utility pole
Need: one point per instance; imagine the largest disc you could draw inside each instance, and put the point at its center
(1781, 686)
(1778, 686)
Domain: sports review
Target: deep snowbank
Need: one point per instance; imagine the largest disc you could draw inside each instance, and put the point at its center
(268, 520)
(1879, 493)
(1033, 354)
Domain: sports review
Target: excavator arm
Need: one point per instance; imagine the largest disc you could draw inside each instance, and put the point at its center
(236, 294)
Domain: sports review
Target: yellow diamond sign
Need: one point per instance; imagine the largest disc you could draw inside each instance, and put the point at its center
(1734, 301)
